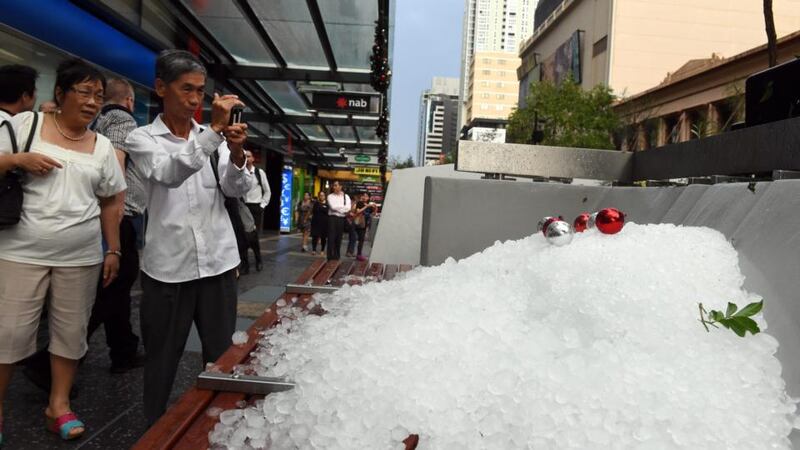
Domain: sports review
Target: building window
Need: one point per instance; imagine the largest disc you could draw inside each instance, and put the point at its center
(487, 61)
(501, 62)
(600, 46)
(500, 84)
(484, 106)
(499, 107)
(484, 83)
(486, 72)
(485, 95)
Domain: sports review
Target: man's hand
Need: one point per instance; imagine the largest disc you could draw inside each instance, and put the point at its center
(36, 163)
(110, 268)
(236, 135)
(221, 111)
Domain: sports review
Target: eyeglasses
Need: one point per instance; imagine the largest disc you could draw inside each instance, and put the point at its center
(88, 95)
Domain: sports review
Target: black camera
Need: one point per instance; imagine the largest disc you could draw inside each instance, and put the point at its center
(236, 115)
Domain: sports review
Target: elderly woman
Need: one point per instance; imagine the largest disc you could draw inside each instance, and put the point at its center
(54, 254)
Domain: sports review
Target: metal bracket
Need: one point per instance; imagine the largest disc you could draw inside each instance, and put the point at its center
(306, 289)
(785, 174)
(245, 384)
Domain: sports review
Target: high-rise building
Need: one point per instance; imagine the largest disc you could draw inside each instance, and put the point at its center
(492, 93)
(491, 26)
(438, 120)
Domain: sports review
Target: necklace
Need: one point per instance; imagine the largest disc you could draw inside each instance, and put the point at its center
(80, 138)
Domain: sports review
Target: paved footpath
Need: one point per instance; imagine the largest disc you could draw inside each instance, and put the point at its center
(110, 405)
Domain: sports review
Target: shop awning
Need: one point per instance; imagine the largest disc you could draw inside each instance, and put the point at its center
(277, 53)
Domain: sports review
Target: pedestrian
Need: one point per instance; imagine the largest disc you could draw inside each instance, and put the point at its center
(190, 253)
(319, 223)
(350, 229)
(54, 253)
(257, 198)
(303, 219)
(251, 238)
(369, 212)
(361, 209)
(17, 90)
(112, 306)
(338, 207)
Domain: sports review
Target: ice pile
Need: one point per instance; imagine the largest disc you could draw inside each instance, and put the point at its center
(526, 345)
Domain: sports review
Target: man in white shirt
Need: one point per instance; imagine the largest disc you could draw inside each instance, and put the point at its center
(190, 252)
(17, 90)
(256, 200)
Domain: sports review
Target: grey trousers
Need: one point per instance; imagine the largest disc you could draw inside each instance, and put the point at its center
(167, 312)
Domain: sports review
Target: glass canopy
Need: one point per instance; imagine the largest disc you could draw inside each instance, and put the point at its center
(276, 53)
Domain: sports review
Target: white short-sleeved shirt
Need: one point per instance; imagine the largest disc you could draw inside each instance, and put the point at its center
(60, 222)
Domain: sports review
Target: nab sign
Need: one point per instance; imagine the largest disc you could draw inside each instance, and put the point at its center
(346, 102)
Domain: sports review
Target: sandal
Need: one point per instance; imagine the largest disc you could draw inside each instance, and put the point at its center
(64, 424)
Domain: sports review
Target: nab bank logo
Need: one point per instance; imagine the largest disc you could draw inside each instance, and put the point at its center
(344, 103)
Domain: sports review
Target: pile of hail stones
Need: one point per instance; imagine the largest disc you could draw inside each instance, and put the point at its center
(593, 345)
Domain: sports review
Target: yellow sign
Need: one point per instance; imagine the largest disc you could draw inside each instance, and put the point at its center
(369, 171)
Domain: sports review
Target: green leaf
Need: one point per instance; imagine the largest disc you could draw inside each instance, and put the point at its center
(751, 309)
(716, 316)
(748, 323)
(740, 325)
(734, 326)
(731, 309)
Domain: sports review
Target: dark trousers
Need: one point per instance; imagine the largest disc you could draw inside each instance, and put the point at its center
(335, 232)
(354, 237)
(250, 243)
(361, 233)
(112, 308)
(258, 215)
(321, 239)
(167, 313)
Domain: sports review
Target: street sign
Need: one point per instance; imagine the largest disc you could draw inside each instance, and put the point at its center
(369, 171)
(346, 102)
(359, 160)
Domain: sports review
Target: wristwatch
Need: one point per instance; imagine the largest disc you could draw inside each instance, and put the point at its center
(114, 252)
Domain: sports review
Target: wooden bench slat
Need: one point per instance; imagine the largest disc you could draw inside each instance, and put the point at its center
(324, 275)
(405, 267)
(375, 270)
(390, 271)
(344, 269)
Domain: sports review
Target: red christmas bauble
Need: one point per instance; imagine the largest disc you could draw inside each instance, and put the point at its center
(610, 220)
(581, 223)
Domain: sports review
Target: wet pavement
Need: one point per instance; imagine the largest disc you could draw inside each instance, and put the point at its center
(110, 405)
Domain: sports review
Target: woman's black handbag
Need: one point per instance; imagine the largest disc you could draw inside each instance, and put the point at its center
(11, 183)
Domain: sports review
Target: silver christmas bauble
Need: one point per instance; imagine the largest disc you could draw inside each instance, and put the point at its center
(559, 233)
(540, 225)
(592, 219)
